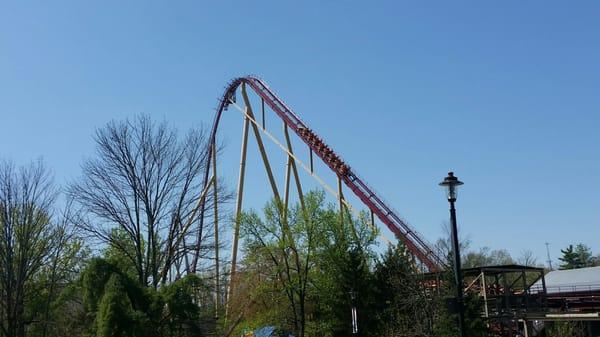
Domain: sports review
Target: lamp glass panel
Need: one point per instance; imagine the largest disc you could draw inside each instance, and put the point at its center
(451, 191)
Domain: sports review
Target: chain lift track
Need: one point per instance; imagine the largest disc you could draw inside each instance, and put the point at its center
(422, 250)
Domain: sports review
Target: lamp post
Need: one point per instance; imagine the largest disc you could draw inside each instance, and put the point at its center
(353, 312)
(451, 184)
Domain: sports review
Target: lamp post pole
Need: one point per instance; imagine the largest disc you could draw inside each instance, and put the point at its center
(451, 183)
(457, 271)
(353, 312)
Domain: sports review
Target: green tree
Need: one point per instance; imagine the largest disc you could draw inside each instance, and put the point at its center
(404, 306)
(119, 250)
(116, 304)
(56, 285)
(343, 278)
(284, 244)
(302, 266)
(576, 257)
(36, 249)
(585, 254)
(563, 329)
(114, 316)
(445, 319)
(595, 262)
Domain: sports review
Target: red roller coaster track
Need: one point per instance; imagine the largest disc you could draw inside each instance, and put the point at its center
(413, 241)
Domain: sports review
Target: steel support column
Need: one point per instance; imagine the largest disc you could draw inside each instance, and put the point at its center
(485, 301)
(525, 328)
(216, 225)
(238, 212)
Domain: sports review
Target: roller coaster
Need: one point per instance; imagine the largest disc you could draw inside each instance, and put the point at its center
(414, 242)
(503, 302)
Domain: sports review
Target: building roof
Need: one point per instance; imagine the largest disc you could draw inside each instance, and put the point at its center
(499, 269)
(571, 280)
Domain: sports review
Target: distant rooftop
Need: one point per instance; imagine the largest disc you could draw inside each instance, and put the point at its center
(571, 280)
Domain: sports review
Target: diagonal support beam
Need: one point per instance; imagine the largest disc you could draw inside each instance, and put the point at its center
(261, 146)
(291, 166)
(286, 186)
(344, 208)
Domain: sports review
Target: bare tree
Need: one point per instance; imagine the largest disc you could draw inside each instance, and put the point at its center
(27, 196)
(145, 180)
(443, 245)
(527, 258)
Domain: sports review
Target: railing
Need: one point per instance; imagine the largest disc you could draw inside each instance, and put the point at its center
(575, 288)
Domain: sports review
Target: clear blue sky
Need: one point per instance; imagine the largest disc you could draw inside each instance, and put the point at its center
(506, 94)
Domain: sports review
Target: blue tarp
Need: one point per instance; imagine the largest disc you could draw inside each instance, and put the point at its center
(269, 331)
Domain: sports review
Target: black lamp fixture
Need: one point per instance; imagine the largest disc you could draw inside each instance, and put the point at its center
(451, 183)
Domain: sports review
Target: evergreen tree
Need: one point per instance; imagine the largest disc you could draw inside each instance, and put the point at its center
(405, 305)
(570, 258)
(114, 318)
(585, 254)
(578, 257)
(345, 282)
(117, 305)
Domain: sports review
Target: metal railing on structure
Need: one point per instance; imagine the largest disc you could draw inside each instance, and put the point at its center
(566, 289)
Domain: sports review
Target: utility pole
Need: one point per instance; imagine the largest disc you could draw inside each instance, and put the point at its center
(548, 255)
